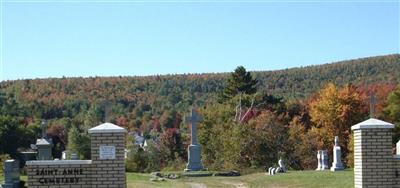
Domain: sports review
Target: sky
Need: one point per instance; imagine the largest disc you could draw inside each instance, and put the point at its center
(44, 38)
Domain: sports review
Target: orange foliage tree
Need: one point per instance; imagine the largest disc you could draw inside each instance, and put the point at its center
(333, 111)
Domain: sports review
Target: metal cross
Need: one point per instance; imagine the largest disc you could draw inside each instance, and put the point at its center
(192, 119)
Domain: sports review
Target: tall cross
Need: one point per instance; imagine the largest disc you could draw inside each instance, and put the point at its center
(43, 126)
(107, 109)
(192, 119)
(372, 103)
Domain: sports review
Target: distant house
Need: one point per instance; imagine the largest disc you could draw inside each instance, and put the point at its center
(140, 141)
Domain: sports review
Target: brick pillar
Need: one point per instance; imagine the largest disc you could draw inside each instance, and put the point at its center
(373, 158)
(107, 150)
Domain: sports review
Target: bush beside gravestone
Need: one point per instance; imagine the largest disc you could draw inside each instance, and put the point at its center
(3, 158)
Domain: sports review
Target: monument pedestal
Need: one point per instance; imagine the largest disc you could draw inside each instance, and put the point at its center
(337, 162)
(194, 161)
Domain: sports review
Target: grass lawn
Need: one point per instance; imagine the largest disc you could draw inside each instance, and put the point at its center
(306, 179)
(303, 179)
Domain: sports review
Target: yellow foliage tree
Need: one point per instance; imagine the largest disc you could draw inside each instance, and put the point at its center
(334, 111)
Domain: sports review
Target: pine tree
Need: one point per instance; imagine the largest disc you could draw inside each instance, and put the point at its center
(239, 82)
(73, 140)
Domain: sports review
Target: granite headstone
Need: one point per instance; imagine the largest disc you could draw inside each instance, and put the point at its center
(337, 154)
(11, 174)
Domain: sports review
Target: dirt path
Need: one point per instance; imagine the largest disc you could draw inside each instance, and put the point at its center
(236, 184)
(197, 185)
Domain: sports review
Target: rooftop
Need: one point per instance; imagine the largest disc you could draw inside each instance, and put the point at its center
(107, 128)
(373, 123)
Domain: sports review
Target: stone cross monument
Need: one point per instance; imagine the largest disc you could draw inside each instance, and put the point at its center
(372, 103)
(194, 154)
(337, 154)
(44, 144)
(43, 127)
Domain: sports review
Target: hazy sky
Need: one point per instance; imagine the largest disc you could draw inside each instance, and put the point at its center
(43, 39)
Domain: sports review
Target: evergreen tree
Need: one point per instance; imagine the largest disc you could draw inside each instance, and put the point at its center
(239, 82)
(392, 112)
(73, 140)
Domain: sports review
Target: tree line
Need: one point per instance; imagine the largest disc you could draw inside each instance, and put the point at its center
(250, 118)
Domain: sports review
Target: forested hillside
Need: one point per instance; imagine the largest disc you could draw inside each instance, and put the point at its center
(300, 82)
(67, 97)
(155, 106)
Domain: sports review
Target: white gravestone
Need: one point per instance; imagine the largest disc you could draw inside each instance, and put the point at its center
(107, 152)
(322, 157)
(64, 155)
(194, 154)
(325, 160)
(269, 171)
(337, 154)
(319, 158)
(282, 166)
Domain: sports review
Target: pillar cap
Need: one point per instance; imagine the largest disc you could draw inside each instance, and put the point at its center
(107, 128)
(42, 142)
(373, 123)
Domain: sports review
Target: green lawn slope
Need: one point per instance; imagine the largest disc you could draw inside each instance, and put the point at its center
(300, 179)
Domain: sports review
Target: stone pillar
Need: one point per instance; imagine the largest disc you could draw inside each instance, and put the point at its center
(373, 159)
(398, 148)
(107, 150)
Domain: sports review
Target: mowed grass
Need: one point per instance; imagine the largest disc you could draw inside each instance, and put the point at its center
(292, 179)
(301, 179)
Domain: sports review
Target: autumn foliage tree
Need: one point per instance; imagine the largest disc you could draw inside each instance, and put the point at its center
(333, 112)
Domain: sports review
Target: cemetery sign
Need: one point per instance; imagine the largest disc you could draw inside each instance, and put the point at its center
(106, 169)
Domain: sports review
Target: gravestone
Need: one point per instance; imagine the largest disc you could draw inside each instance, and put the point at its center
(11, 174)
(43, 149)
(64, 155)
(269, 171)
(398, 148)
(325, 160)
(43, 145)
(282, 166)
(280, 169)
(74, 156)
(322, 157)
(194, 152)
(319, 158)
(337, 154)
